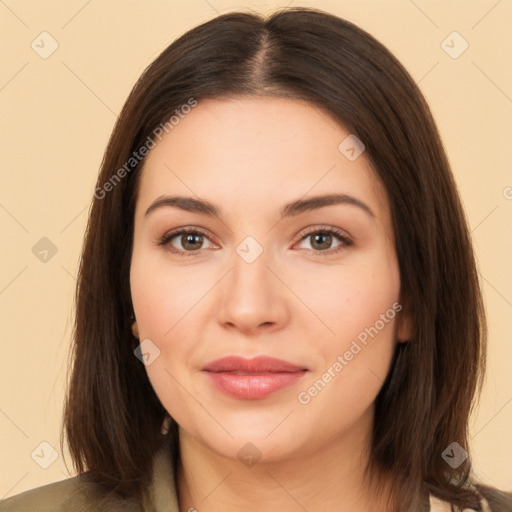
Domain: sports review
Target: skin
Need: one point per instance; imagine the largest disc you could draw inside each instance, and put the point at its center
(300, 300)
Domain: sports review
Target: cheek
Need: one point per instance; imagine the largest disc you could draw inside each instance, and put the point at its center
(362, 308)
(162, 296)
(167, 304)
(349, 301)
(161, 301)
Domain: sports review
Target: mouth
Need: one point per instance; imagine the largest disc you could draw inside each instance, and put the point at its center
(252, 379)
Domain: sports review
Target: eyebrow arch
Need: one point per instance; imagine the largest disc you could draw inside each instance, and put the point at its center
(290, 209)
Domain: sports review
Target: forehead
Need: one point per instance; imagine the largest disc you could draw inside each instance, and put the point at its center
(260, 152)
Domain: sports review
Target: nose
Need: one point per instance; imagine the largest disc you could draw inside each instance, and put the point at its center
(253, 298)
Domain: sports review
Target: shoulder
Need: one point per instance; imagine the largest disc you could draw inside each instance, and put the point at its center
(496, 500)
(81, 494)
(77, 493)
(491, 500)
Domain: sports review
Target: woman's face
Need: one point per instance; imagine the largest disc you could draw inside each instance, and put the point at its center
(292, 259)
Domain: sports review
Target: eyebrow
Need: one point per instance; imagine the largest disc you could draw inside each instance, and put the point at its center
(290, 209)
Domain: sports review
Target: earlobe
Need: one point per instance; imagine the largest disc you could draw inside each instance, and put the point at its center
(135, 329)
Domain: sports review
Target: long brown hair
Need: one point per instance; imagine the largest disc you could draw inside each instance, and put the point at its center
(112, 415)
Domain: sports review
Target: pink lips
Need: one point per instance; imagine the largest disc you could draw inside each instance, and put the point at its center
(252, 379)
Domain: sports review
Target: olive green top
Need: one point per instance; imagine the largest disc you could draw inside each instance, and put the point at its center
(79, 494)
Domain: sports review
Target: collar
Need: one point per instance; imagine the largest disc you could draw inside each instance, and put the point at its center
(161, 494)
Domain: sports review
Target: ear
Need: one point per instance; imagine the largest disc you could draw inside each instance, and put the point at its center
(405, 322)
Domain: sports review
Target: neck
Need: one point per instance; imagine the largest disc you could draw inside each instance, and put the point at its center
(330, 478)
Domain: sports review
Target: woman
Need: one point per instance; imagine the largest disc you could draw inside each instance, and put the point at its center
(278, 306)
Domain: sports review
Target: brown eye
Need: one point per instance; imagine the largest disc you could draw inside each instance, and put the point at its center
(322, 240)
(192, 241)
(185, 241)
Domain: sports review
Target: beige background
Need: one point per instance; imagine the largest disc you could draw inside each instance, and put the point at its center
(57, 114)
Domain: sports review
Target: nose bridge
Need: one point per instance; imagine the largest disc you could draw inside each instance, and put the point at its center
(252, 295)
(250, 265)
(250, 276)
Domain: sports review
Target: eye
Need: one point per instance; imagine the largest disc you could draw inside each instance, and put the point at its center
(185, 241)
(189, 242)
(322, 239)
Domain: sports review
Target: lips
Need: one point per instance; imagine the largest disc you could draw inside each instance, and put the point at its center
(252, 379)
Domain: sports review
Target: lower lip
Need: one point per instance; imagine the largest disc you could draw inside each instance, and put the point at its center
(254, 386)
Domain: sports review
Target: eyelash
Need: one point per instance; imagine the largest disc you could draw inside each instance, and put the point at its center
(344, 239)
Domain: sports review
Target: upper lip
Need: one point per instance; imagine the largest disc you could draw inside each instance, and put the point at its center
(259, 364)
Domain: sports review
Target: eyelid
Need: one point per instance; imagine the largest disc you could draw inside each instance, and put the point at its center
(324, 228)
